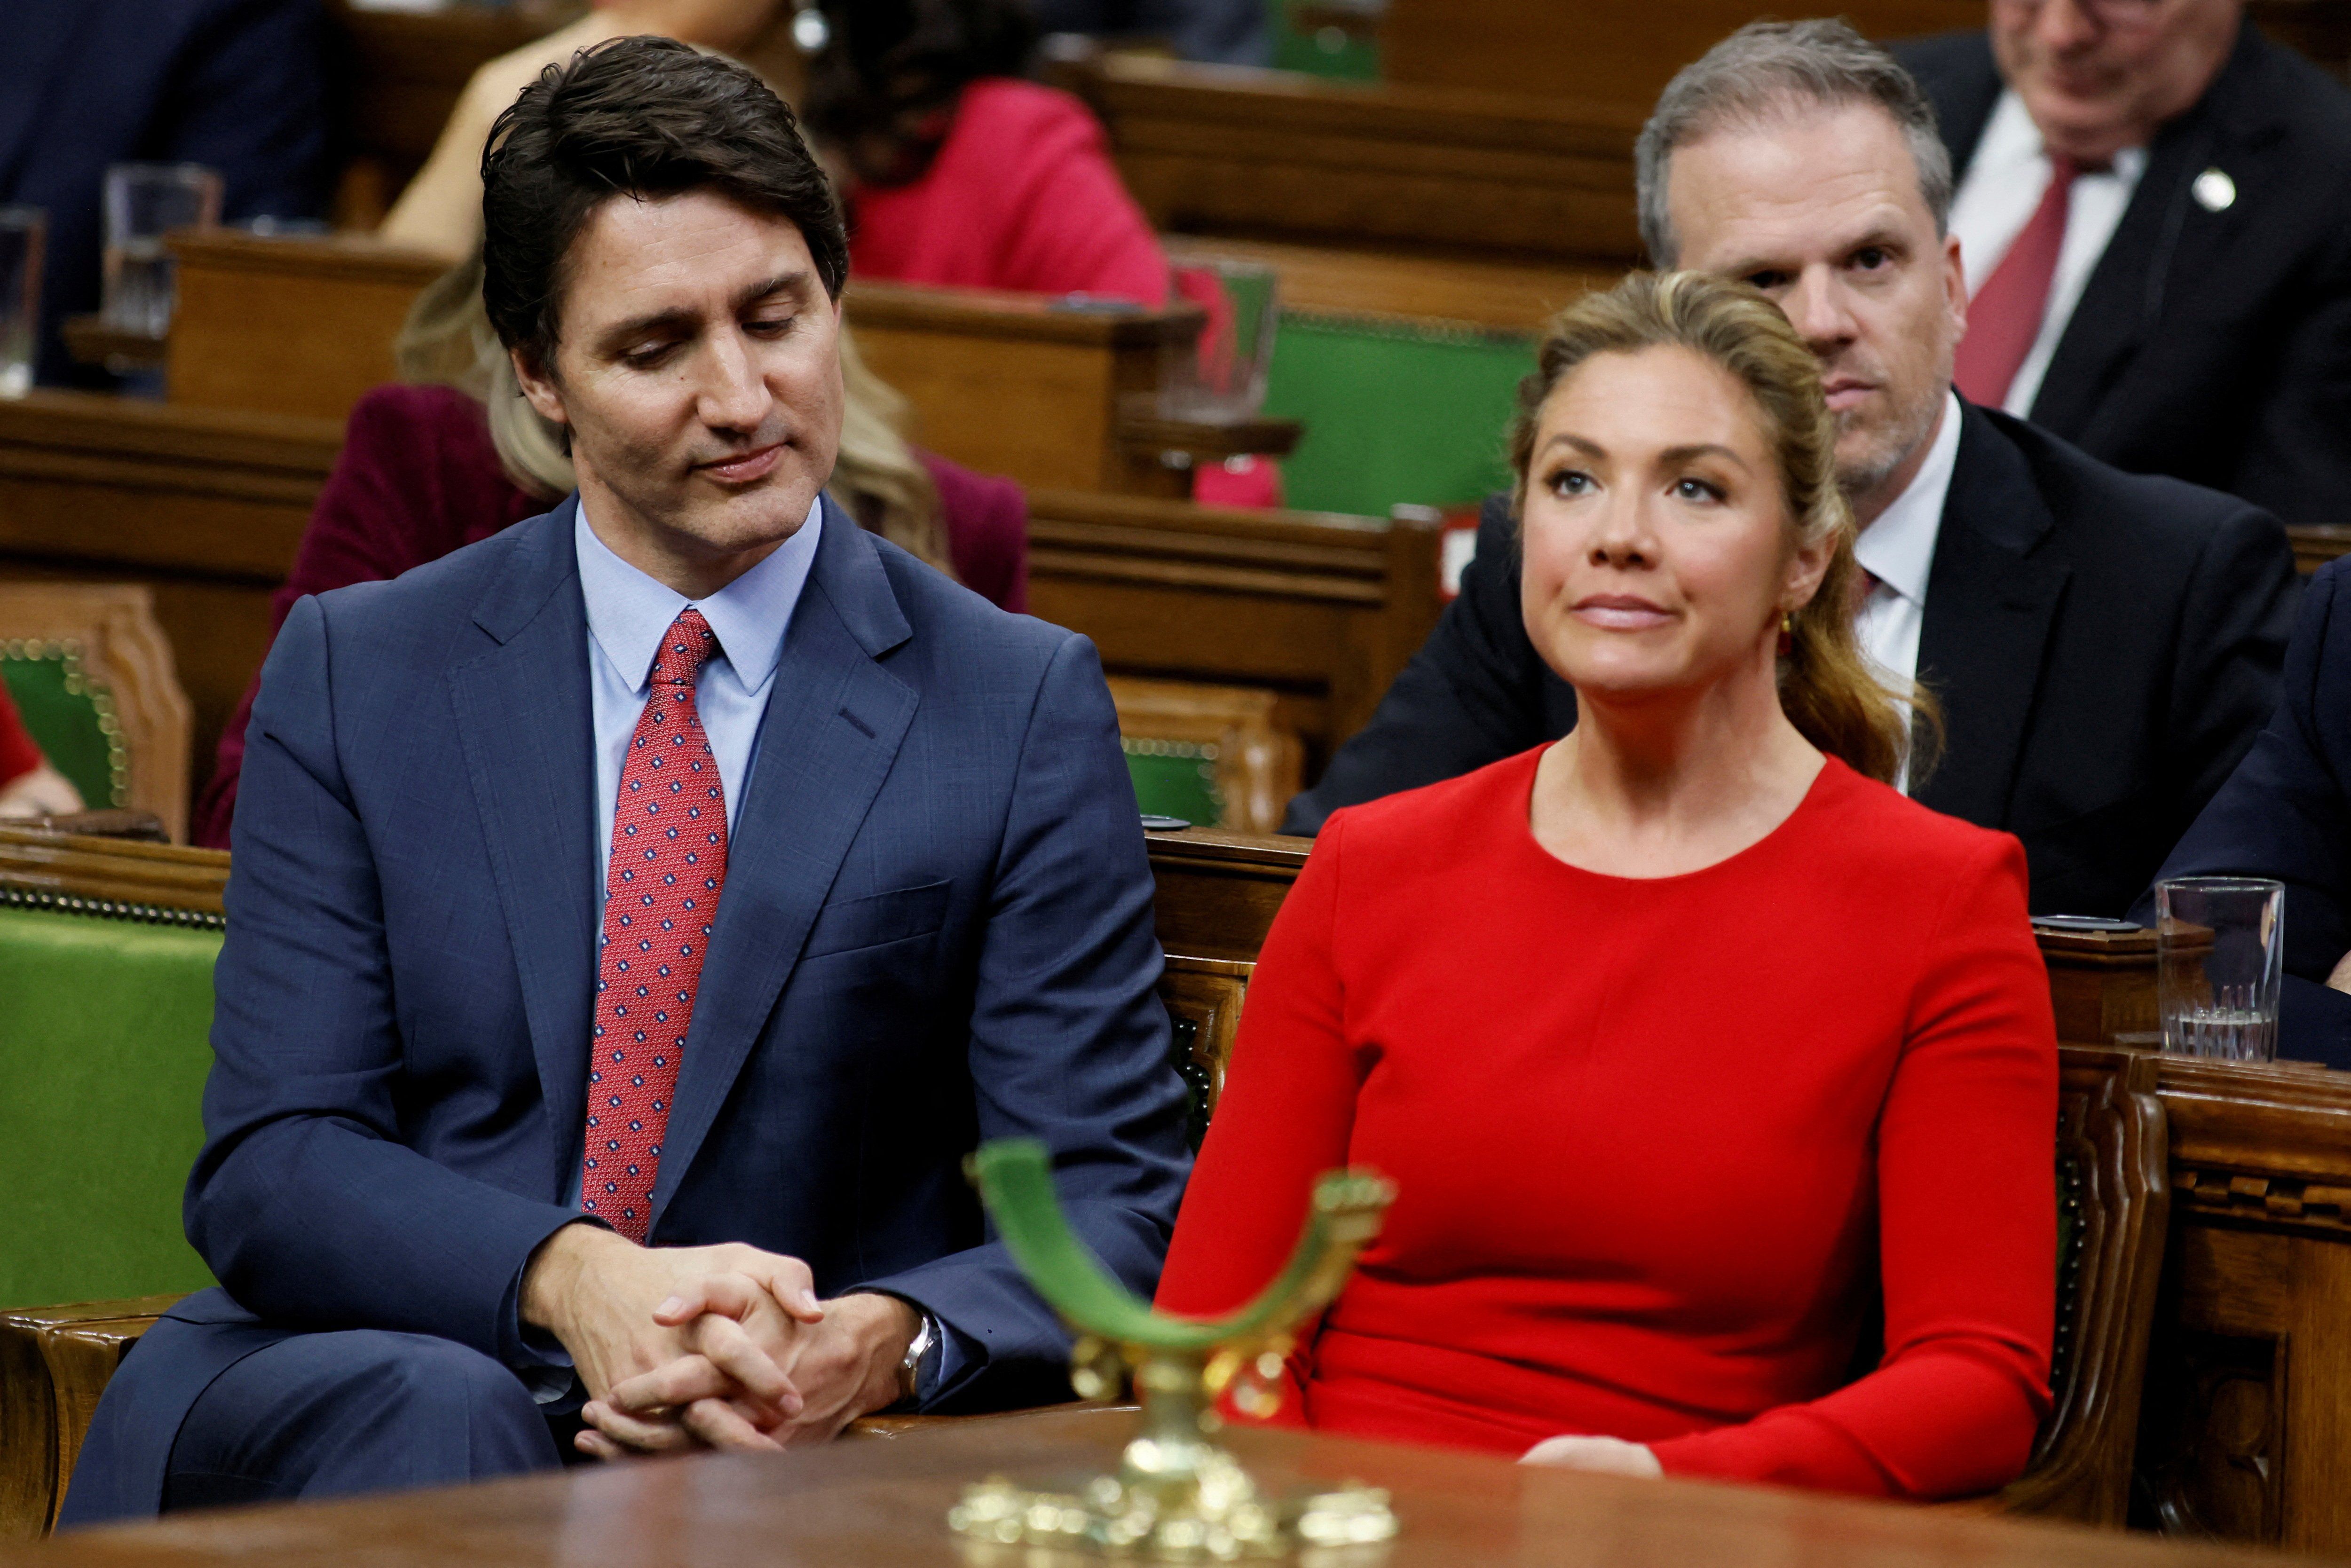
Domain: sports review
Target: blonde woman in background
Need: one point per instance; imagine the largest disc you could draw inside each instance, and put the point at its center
(453, 453)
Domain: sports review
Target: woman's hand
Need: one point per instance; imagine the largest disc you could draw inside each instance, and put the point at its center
(1602, 1455)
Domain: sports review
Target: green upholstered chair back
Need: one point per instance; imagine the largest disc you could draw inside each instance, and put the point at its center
(106, 1006)
(1397, 411)
(70, 716)
(92, 673)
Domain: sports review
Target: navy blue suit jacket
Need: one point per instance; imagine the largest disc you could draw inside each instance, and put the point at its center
(937, 928)
(238, 85)
(2285, 813)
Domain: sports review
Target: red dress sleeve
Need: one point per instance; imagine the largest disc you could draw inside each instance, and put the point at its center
(18, 754)
(417, 477)
(1285, 1115)
(1966, 1234)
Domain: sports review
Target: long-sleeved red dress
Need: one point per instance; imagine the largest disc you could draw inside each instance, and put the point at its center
(1656, 1142)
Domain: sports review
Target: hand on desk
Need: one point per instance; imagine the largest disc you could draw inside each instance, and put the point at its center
(604, 1296)
(2339, 980)
(1605, 1456)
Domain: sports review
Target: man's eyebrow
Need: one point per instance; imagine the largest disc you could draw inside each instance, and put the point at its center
(791, 282)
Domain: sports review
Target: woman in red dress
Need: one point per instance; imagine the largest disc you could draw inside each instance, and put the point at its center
(1686, 1038)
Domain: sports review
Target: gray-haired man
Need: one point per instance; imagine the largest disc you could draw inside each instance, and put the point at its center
(2103, 647)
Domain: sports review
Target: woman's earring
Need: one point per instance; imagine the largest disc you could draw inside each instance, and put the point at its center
(1787, 632)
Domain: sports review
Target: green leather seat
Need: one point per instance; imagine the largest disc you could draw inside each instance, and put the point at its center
(1397, 412)
(103, 1052)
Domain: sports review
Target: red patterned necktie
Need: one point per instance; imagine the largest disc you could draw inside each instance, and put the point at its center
(661, 896)
(2004, 318)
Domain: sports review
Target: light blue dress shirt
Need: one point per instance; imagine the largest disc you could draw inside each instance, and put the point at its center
(628, 613)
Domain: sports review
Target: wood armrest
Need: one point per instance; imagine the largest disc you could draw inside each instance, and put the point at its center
(908, 1426)
(55, 1361)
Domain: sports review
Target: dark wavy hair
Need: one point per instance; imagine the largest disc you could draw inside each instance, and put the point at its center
(881, 92)
(637, 118)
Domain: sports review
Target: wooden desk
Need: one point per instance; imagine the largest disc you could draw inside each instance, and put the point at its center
(1323, 609)
(873, 1503)
(1016, 384)
(1442, 172)
(205, 508)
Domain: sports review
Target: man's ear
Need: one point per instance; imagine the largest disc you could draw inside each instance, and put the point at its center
(543, 390)
(1955, 287)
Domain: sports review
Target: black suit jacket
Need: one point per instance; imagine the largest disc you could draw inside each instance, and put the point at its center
(238, 85)
(2104, 647)
(2211, 346)
(2284, 814)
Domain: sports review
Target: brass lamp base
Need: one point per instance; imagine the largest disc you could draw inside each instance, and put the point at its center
(1223, 1519)
(1177, 1497)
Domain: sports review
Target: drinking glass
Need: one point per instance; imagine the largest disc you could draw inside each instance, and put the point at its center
(23, 232)
(1223, 380)
(144, 202)
(2220, 951)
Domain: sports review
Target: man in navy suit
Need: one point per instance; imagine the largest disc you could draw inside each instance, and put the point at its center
(638, 915)
(236, 85)
(2285, 813)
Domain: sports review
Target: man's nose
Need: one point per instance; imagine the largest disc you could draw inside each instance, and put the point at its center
(1817, 308)
(733, 395)
(2062, 25)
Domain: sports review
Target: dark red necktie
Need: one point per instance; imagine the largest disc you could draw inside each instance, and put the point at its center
(660, 897)
(2004, 318)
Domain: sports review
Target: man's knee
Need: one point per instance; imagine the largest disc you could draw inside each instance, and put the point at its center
(330, 1415)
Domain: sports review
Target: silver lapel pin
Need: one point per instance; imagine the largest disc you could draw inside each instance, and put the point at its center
(2214, 190)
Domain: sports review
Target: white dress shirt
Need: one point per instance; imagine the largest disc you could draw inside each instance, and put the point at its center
(2003, 186)
(1899, 549)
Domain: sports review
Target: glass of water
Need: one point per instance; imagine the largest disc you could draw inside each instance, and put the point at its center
(144, 202)
(2219, 950)
(1222, 379)
(23, 232)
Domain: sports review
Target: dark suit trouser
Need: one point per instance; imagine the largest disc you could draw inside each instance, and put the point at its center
(363, 1410)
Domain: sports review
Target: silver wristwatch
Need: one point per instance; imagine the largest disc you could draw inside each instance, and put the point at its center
(910, 1370)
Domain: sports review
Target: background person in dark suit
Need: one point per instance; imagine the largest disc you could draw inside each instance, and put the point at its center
(652, 902)
(2104, 646)
(2180, 301)
(236, 85)
(2285, 813)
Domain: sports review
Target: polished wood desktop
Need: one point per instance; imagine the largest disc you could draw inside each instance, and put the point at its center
(868, 1503)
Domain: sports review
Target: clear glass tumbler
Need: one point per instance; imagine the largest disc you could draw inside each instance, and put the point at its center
(2220, 951)
(1222, 381)
(24, 231)
(144, 202)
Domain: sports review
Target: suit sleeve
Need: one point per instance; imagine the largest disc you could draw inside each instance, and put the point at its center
(1473, 695)
(2297, 457)
(1068, 1044)
(2282, 814)
(2228, 650)
(304, 1200)
(1966, 1234)
(253, 106)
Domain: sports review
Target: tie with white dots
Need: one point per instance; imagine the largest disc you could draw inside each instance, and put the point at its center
(661, 896)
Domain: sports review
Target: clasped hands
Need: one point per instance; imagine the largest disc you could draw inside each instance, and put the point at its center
(721, 1347)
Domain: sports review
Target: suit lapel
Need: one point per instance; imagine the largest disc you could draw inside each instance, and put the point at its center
(524, 719)
(2165, 236)
(1991, 598)
(833, 724)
